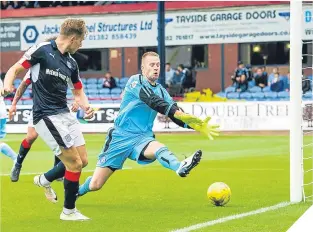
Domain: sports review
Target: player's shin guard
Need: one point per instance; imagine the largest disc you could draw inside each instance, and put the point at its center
(24, 149)
(7, 150)
(167, 158)
(84, 188)
(56, 172)
(71, 185)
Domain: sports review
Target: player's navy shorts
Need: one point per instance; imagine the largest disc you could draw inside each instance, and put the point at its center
(3, 122)
(119, 146)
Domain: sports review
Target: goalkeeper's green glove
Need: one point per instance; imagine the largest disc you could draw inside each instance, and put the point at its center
(205, 128)
(187, 118)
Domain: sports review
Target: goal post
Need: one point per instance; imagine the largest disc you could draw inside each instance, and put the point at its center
(296, 134)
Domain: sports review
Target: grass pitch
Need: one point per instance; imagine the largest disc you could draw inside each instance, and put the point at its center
(151, 198)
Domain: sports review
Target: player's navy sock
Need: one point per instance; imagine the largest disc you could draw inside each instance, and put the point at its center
(7, 150)
(167, 158)
(71, 185)
(56, 172)
(56, 160)
(84, 188)
(24, 149)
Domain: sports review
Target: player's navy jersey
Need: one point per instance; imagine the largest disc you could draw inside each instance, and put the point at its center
(140, 104)
(51, 73)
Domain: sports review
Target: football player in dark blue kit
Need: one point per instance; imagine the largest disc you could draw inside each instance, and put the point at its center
(53, 70)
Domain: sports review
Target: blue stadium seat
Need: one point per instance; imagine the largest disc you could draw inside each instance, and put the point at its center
(221, 94)
(116, 91)
(230, 89)
(258, 96)
(251, 84)
(270, 95)
(93, 96)
(8, 102)
(91, 86)
(283, 94)
(105, 96)
(92, 91)
(245, 95)
(100, 81)
(99, 86)
(26, 95)
(233, 95)
(84, 81)
(17, 81)
(117, 80)
(266, 89)
(92, 81)
(115, 96)
(27, 102)
(255, 89)
(123, 81)
(104, 91)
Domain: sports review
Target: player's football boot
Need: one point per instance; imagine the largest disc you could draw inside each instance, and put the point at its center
(74, 216)
(49, 192)
(189, 163)
(15, 172)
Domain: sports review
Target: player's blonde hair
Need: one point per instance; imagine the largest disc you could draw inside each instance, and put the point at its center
(148, 54)
(73, 26)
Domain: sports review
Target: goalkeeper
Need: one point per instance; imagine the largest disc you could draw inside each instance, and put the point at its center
(132, 136)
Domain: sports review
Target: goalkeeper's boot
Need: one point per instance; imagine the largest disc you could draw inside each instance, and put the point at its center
(15, 172)
(49, 192)
(75, 215)
(189, 163)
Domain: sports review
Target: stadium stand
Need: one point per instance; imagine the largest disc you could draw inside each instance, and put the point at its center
(7, 5)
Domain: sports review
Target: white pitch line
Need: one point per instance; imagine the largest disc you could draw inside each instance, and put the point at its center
(232, 217)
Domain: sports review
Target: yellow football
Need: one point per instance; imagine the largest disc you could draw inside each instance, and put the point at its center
(219, 193)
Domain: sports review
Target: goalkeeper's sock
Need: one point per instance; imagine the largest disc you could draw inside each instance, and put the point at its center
(84, 188)
(56, 172)
(7, 151)
(167, 158)
(24, 149)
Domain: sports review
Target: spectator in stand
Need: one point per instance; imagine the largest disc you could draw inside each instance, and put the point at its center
(277, 84)
(108, 81)
(240, 70)
(250, 72)
(260, 78)
(4, 5)
(11, 5)
(241, 84)
(271, 76)
(169, 74)
(264, 70)
(287, 83)
(179, 75)
(28, 4)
